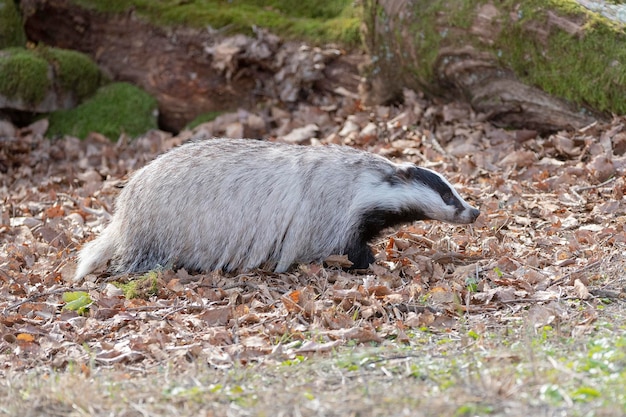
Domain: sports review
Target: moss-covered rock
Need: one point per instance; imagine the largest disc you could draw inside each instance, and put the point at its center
(74, 71)
(46, 79)
(115, 109)
(11, 29)
(25, 78)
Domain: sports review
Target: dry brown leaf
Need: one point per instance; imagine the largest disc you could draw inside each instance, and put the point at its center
(358, 334)
(54, 211)
(217, 316)
(312, 346)
(519, 159)
(601, 167)
(566, 146)
(338, 261)
(379, 291)
(290, 301)
(441, 295)
(424, 319)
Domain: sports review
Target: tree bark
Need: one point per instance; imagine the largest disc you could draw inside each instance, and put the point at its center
(453, 52)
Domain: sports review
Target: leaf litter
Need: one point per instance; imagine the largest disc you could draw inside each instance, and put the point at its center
(551, 231)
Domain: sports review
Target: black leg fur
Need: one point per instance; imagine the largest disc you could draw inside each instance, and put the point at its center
(361, 256)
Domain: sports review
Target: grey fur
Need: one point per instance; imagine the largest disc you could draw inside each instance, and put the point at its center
(238, 204)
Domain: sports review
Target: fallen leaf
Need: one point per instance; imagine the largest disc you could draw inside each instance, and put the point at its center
(25, 337)
(581, 290)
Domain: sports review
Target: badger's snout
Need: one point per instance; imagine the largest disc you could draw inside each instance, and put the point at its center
(473, 214)
(465, 216)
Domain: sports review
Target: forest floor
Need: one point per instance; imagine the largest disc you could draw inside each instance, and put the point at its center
(521, 313)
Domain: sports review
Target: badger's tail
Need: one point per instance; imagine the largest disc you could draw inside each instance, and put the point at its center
(97, 252)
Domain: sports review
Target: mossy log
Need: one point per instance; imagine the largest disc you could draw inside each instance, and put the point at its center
(544, 65)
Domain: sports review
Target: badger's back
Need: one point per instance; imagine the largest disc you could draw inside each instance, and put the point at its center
(230, 204)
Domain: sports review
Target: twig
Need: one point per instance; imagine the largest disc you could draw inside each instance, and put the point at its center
(174, 309)
(579, 270)
(438, 146)
(581, 200)
(393, 358)
(591, 187)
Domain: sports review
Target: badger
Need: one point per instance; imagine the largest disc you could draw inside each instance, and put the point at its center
(240, 204)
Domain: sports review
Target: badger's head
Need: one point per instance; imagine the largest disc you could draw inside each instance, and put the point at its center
(426, 195)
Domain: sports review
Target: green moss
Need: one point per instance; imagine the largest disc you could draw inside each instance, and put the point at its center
(74, 71)
(11, 30)
(128, 288)
(327, 9)
(319, 22)
(114, 109)
(428, 37)
(145, 286)
(203, 118)
(23, 75)
(30, 74)
(589, 69)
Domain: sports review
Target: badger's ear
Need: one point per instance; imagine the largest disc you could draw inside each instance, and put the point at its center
(406, 172)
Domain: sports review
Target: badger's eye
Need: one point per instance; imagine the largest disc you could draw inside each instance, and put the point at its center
(448, 198)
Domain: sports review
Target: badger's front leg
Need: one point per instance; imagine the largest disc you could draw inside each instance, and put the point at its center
(360, 255)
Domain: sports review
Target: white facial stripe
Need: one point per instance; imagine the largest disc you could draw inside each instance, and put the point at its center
(413, 195)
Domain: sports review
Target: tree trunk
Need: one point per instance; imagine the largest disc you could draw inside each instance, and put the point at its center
(501, 57)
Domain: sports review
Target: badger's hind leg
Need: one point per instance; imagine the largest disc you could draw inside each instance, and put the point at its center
(360, 255)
